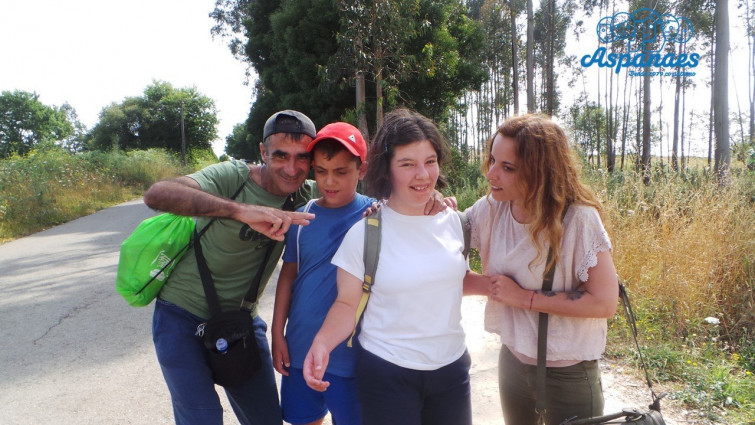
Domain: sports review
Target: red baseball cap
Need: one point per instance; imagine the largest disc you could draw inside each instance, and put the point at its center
(347, 134)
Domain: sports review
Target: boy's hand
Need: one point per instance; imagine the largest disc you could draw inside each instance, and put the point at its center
(281, 358)
(372, 208)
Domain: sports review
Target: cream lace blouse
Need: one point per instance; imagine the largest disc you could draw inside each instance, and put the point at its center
(505, 249)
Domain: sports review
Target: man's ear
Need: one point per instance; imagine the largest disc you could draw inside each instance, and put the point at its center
(362, 170)
(263, 153)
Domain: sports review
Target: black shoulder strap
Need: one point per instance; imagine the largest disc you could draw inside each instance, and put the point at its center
(208, 284)
(632, 323)
(542, 336)
(542, 342)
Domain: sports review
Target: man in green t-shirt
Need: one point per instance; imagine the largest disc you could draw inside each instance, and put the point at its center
(234, 247)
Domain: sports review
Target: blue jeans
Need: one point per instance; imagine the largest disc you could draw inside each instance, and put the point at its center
(183, 360)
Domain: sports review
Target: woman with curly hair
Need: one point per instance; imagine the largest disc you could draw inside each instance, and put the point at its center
(537, 203)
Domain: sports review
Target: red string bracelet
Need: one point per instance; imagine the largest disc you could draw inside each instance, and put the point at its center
(532, 297)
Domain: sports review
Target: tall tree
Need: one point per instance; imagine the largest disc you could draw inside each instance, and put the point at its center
(721, 103)
(530, 58)
(26, 123)
(513, 11)
(292, 46)
(551, 24)
(749, 19)
(154, 121)
(238, 144)
(374, 36)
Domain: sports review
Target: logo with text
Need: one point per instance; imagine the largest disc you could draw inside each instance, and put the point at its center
(645, 43)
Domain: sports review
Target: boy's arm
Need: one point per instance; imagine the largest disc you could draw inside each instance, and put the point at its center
(281, 359)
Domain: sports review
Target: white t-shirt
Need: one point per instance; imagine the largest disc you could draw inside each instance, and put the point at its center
(413, 317)
(506, 249)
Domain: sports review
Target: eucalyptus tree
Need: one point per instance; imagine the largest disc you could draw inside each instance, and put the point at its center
(721, 88)
(373, 38)
(307, 54)
(749, 19)
(530, 62)
(551, 23)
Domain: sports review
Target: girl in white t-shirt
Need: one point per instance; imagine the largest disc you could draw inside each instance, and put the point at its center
(536, 201)
(414, 369)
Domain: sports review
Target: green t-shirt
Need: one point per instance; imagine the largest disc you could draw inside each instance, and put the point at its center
(232, 258)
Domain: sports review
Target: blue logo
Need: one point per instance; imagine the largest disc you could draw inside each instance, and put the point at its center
(638, 41)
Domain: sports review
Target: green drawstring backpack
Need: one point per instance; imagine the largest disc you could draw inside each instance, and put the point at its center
(151, 252)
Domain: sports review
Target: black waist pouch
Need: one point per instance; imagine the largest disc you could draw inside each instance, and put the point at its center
(241, 359)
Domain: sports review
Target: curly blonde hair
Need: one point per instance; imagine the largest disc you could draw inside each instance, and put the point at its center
(548, 175)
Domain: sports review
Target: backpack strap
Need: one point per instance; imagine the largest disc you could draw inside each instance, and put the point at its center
(466, 228)
(298, 231)
(372, 237)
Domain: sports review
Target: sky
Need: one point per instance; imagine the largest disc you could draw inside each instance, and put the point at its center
(697, 98)
(91, 53)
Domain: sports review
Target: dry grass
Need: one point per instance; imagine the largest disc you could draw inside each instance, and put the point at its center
(685, 245)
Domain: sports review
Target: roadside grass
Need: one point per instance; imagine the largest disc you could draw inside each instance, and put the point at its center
(52, 186)
(685, 249)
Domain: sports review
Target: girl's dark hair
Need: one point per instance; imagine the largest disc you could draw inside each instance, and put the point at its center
(400, 127)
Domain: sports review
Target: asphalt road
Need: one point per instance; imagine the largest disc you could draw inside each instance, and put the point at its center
(72, 351)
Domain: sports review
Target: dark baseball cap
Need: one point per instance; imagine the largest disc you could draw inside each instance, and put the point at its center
(289, 121)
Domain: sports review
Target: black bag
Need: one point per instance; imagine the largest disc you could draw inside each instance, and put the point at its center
(632, 416)
(241, 359)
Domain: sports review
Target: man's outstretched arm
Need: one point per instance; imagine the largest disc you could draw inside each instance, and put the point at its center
(183, 196)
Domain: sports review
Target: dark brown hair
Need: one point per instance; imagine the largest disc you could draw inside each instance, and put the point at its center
(400, 127)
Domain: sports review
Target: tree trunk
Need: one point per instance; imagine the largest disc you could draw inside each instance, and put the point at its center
(751, 75)
(361, 102)
(530, 58)
(675, 140)
(684, 109)
(379, 97)
(514, 58)
(712, 98)
(638, 132)
(610, 132)
(646, 172)
(721, 102)
(550, 78)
